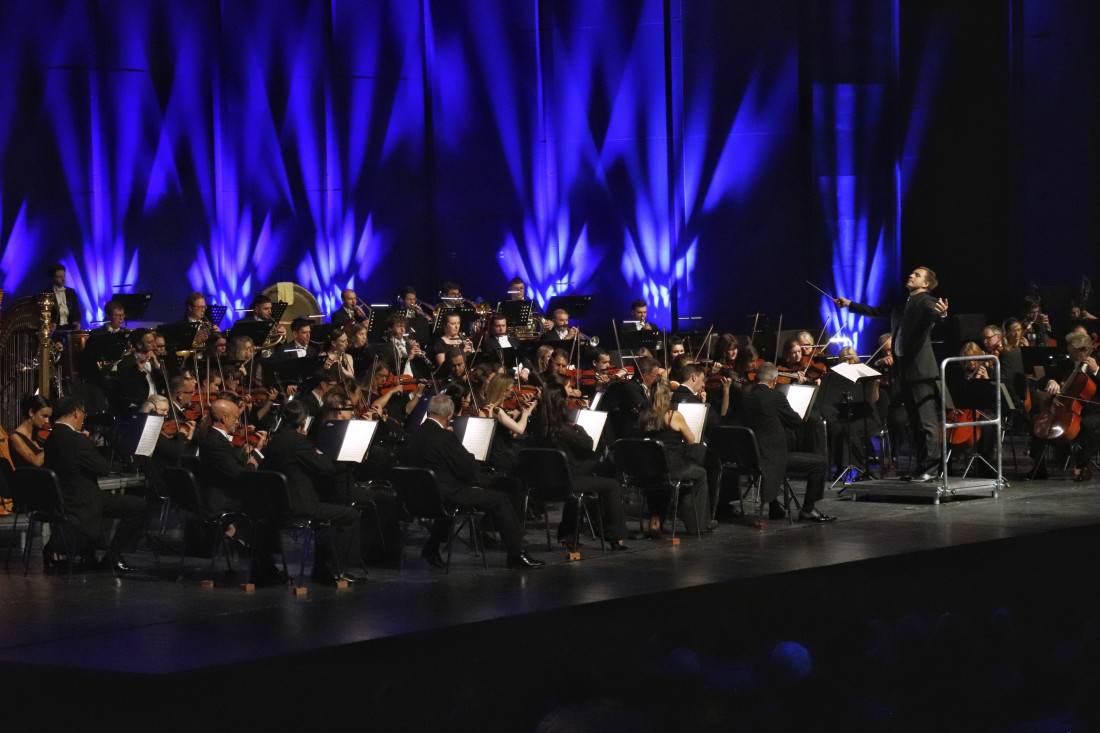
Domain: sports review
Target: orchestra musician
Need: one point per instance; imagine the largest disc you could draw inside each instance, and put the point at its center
(335, 352)
(769, 415)
(261, 313)
(451, 338)
(403, 351)
(912, 320)
(138, 371)
(26, 443)
(1080, 350)
(1036, 324)
(66, 313)
(299, 345)
(435, 446)
(195, 312)
(639, 309)
(676, 347)
(116, 318)
(350, 310)
(625, 398)
(517, 290)
(561, 330)
(1014, 333)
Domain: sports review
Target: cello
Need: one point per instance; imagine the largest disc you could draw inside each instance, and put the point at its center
(1061, 420)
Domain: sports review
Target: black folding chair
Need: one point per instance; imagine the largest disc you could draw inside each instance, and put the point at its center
(420, 497)
(745, 453)
(36, 492)
(546, 472)
(183, 489)
(644, 467)
(267, 498)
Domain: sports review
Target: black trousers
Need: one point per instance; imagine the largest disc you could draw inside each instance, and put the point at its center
(129, 510)
(338, 545)
(610, 494)
(497, 505)
(921, 399)
(814, 465)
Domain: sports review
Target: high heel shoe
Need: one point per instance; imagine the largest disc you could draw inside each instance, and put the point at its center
(655, 532)
(569, 543)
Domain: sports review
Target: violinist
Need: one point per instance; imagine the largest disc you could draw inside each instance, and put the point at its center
(244, 367)
(451, 338)
(28, 439)
(335, 352)
(299, 346)
(388, 397)
(561, 330)
(625, 399)
(116, 318)
(542, 359)
(676, 347)
(1079, 348)
(511, 410)
(174, 440)
(602, 374)
(181, 390)
(559, 367)
(912, 319)
(790, 362)
(350, 311)
(1012, 363)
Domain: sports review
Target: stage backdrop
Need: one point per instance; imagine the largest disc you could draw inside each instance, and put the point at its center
(708, 156)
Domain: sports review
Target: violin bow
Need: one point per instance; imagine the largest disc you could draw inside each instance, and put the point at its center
(706, 342)
(778, 331)
(618, 346)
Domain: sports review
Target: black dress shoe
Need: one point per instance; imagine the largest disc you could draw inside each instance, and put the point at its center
(523, 560)
(355, 575)
(431, 555)
(117, 563)
(618, 545)
(927, 477)
(814, 516)
(776, 513)
(1085, 475)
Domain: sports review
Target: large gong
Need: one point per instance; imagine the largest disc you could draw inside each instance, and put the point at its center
(300, 302)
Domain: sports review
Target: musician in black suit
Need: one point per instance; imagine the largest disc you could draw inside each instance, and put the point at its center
(77, 463)
(222, 464)
(138, 374)
(436, 447)
(338, 555)
(116, 318)
(66, 312)
(625, 399)
(350, 310)
(299, 346)
(1073, 378)
(916, 369)
(770, 416)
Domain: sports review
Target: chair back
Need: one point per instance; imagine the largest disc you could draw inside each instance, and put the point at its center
(38, 491)
(640, 459)
(546, 471)
(737, 448)
(183, 489)
(266, 494)
(418, 493)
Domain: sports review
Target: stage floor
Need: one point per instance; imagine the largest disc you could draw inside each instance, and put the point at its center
(148, 624)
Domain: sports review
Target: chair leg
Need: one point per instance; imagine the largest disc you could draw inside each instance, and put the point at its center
(29, 544)
(11, 545)
(599, 521)
(307, 537)
(675, 505)
(450, 543)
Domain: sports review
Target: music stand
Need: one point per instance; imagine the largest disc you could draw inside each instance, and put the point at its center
(346, 441)
(476, 435)
(101, 347)
(420, 329)
(278, 309)
(376, 321)
(139, 436)
(634, 340)
(518, 312)
(297, 370)
(215, 313)
(466, 316)
(575, 305)
(837, 387)
(134, 304)
(257, 331)
(1047, 358)
(179, 336)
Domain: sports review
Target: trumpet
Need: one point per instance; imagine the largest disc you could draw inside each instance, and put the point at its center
(590, 340)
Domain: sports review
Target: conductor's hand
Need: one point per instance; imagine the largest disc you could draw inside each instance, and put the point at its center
(842, 302)
(941, 306)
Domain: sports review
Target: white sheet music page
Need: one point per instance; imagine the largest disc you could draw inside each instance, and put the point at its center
(149, 434)
(799, 397)
(357, 440)
(853, 372)
(696, 415)
(595, 401)
(592, 422)
(478, 436)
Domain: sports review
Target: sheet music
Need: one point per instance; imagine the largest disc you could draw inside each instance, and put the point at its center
(477, 437)
(800, 396)
(357, 440)
(149, 434)
(595, 401)
(308, 422)
(503, 342)
(593, 423)
(695, 414)
(854, 372)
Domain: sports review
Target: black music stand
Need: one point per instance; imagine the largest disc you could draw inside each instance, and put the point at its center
(851, 400)
(466, 317)
(1049, 358)
(361, 359)
(278, 309)
(179, 336)
(334, 435)
(518, 312)
(257, 331)
(140, 434)
(633, 340)
(575, 305)
(295, 371)
(376, 321)
(215, 314)
(420, 329)
(134, 304)
(101, 347)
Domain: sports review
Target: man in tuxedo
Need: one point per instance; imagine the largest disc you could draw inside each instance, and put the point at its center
(299, 346)
(338, 555)
(222, 464)
(561, 330)
(639, 310)
(349, 310)
(435, 446)
(916, 368)
(77, 463)
(138, 374)
(625, 399)
(116, 317)
(66, 313)
(769, 415)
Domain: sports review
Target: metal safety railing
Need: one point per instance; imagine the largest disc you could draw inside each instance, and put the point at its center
(946, 427)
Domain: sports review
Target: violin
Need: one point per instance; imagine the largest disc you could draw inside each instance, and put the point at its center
(520, 398)
(812, 367)
(43, 434)
(245, 435)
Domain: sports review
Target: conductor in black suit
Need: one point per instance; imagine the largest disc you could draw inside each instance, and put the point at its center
(66, 312)
(435, 446)
(769, 415)
(338, 555)
(911, 322)
(77, 463)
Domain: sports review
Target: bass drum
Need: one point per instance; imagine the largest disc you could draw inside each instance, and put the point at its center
(300, 302)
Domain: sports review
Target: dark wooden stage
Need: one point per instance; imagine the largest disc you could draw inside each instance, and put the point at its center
(498, 649)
